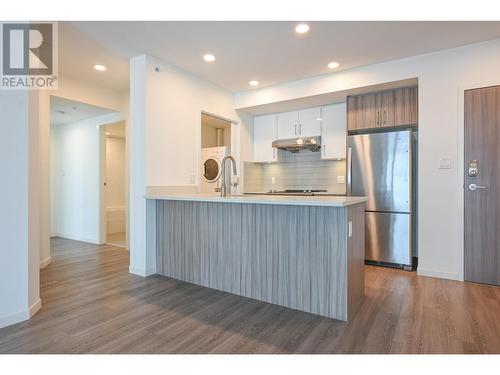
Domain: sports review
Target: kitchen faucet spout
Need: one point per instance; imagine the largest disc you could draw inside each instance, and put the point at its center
(223, 188)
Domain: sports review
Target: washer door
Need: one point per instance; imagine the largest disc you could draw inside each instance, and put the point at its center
(211, 170)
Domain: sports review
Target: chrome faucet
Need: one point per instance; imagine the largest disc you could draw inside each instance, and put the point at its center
(223, 188)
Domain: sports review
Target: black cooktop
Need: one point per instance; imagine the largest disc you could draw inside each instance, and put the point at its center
(296, 191)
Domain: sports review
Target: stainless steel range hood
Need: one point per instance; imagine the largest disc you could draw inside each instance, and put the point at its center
(297, 144)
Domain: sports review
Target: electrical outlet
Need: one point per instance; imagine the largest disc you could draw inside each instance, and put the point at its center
(340, 179)
(273, 180)
(192, 179)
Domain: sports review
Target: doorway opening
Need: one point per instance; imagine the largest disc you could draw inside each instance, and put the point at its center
(77, 149)
(115, 183)
(215, 146)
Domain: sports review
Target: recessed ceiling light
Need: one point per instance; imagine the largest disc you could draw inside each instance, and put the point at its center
(253, 83)
(99, 67)
(302, 28)
(208, 57)
(319, 119)
(333, 65)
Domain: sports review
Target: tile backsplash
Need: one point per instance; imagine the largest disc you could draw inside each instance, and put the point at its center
(303, 170)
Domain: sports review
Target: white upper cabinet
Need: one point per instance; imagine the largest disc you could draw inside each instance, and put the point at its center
(288, 125)
(264, 133)
(334, 131)
(330, 122)
(309, 122)
(303, 123)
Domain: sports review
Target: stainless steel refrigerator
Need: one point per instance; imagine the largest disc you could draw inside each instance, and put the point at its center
(381, 166)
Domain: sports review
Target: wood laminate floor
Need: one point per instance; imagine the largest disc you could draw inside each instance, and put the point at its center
(91, 304)
(116, 239)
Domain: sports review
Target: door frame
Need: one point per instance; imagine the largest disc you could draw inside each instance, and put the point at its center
(461, 167)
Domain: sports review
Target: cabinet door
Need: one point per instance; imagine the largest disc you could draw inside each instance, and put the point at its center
(334, 131)
(352, 112)
(264, 133)
(309, 122)
(288, 125)
(405, 106)
(368, 111)
(387, 108)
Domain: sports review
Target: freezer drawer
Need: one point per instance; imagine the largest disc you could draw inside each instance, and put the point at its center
(388, 237)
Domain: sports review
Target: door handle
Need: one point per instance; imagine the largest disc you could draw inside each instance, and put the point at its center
(476, 187)
(349, 171)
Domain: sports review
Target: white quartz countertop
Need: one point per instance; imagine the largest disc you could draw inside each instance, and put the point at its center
(328, 201)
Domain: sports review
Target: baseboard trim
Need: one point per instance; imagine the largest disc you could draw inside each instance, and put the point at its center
(144, 272)
(21, 316)
(438, 274)
(78, 238)
(44, 263)
(35, 307)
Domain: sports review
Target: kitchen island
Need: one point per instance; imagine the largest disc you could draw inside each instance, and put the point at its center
(305, 253)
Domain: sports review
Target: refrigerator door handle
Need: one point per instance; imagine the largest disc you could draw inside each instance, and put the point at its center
(349, 171)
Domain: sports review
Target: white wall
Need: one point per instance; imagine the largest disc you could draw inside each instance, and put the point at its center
(175, 100)
(442, 77)
(19, 199)
(165, 137)
(76, 171)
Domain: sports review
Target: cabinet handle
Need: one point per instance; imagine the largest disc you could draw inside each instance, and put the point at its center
(385, 116)
(274, 153)
(324, 150)
(300, 129)
(378, 117)
(295, 129)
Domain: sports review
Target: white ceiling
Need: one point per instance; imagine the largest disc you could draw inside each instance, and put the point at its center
(78, 53)
(270, 52)
(65, 111)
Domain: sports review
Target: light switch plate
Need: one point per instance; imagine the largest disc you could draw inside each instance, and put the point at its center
(273, 180)
(340, 179)
(350, 229)
(445, 163)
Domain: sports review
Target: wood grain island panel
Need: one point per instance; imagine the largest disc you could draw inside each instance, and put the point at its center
(295, 256)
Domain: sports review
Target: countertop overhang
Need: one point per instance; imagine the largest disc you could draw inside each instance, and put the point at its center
(326, 201)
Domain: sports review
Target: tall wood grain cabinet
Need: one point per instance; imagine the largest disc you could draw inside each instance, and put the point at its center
(388, 108)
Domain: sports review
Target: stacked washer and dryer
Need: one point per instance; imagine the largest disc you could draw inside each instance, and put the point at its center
(211, 168)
